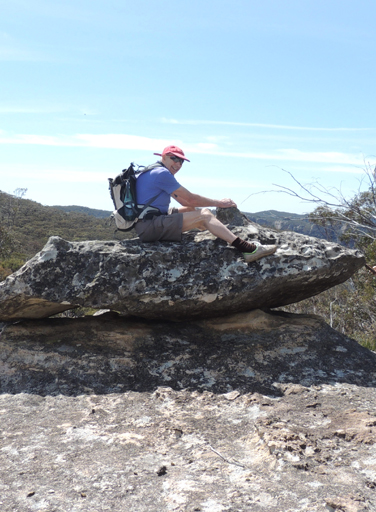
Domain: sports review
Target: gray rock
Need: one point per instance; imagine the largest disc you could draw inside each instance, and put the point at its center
(251, 412)
(246, 351)
(200, 277)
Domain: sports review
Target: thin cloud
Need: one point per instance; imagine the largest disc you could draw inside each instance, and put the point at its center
(122, 141)
(134, 142)
(110, 141)
(13, 109)
(14, 50)
(56, 173)
(15, 54)
(40, 140)
(260, 125)
(46, 107)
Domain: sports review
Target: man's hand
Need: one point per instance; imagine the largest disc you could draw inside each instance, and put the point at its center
(226, 203)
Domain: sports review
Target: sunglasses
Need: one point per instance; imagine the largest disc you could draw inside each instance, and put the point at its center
(176, 159)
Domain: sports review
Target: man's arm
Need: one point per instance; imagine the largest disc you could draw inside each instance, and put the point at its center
(186, 198)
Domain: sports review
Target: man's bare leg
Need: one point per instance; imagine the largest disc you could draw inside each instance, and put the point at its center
(204, 219)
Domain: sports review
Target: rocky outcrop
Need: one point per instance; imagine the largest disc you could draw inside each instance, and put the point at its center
(256, 411)
(249, 352)
(284, 221)
(200, 277)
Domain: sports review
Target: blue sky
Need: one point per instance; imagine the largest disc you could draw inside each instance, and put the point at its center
(248, 89)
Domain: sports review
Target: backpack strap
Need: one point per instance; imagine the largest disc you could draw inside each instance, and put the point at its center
(144, 210)
(150, 167)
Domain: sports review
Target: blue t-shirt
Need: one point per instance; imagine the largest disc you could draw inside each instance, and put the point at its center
(151, 183)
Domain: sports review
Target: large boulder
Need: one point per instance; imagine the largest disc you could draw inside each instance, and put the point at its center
(251, 352)
(200, 277)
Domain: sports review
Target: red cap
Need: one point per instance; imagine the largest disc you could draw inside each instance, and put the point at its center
(173, 150)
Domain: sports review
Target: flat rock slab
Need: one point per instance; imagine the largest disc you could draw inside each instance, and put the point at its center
(309, 450)
(252, 412)
(200, 277)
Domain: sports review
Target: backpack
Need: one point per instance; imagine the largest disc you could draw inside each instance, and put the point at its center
(123, 193)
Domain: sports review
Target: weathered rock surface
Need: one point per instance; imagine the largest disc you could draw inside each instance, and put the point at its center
(254, 411)
(199, 277)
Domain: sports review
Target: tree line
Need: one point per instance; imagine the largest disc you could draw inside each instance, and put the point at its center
(25, 227)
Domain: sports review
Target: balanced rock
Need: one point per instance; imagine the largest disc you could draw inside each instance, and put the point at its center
(200, 277)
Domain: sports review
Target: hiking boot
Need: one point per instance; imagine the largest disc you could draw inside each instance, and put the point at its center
(260, 252)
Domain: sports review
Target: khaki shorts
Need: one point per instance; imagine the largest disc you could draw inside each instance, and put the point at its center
(163, 227)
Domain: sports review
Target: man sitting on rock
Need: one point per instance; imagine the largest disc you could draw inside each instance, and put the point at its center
(169, 224)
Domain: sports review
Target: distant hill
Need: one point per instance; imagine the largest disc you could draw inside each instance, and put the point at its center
(31, 224)
(284, 221)
(99, 214)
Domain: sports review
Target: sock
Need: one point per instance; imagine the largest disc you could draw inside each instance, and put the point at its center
(243, 246)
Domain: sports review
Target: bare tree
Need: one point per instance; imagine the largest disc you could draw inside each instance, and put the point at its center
(354, 219)
(357, 215)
